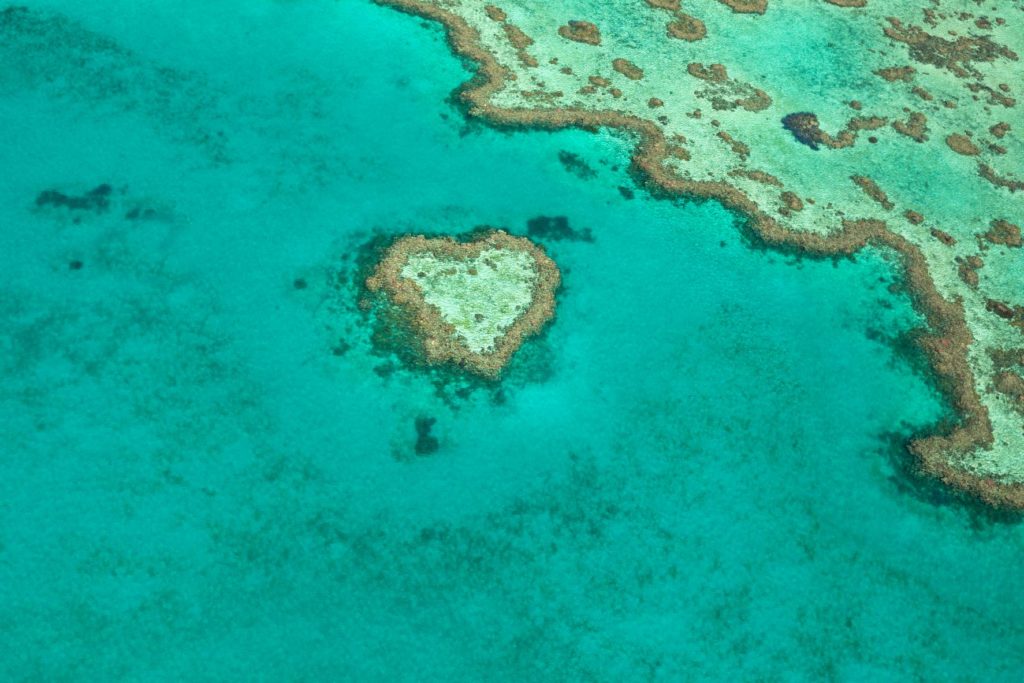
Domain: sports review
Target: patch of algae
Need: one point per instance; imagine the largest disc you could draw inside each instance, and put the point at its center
(904, 133)
(471, 303)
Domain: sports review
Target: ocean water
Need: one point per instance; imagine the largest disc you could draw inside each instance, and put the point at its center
(209, 471)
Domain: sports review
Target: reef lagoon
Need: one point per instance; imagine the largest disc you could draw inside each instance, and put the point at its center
(215, 466)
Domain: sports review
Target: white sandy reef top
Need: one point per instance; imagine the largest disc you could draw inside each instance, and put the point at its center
(480, 297)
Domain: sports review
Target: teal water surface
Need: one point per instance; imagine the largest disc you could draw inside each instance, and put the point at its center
(209, 472)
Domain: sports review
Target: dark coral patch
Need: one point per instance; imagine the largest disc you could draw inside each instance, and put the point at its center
(575, 164)
(804, 127)
(96, 199)
(556, 228)
(426, 444)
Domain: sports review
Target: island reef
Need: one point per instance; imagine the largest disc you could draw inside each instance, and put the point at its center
(470, 303)
(925, 159)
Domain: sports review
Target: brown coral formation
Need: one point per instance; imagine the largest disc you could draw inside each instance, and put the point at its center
(686, 27)
(520, 41)
(738, 148)
(791, 202)
(628, 69)
(682, 26)
(495, 13)
(581, 32)
(961, 144)
(958, 56)
(516, 37)
(943, 236)
(967, 269)
(922, 93)
(994, 96)
(989, 174)
(871, 189)
(897, 73)
(1005, 358)
(725, 93)
(806, 128)
(1000, 129)
(1009, 381)
(915, 127)
(1005, 233)
(1011, 384)
(1000, 308)
(437, 338)
(756, 176)
(746, 6)
(713, 73)
(914, 217)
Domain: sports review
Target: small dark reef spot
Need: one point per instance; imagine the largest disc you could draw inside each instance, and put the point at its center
(425, 442)
(341, 348)
(140, 213)
(576, 165)
(96, 199)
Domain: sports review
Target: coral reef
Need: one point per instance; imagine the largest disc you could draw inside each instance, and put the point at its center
(930, 94)
(469, 303)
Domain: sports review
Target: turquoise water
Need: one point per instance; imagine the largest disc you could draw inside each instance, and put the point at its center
(208, 471)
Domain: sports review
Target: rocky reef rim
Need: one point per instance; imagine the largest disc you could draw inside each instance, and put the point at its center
(947, 340)
(437, 338)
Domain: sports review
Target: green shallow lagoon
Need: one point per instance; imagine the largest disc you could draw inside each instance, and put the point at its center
(208, 473)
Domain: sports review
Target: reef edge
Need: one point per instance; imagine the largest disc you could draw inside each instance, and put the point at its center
(947, 340)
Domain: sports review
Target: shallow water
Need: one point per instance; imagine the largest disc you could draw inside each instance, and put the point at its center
(210, 473)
